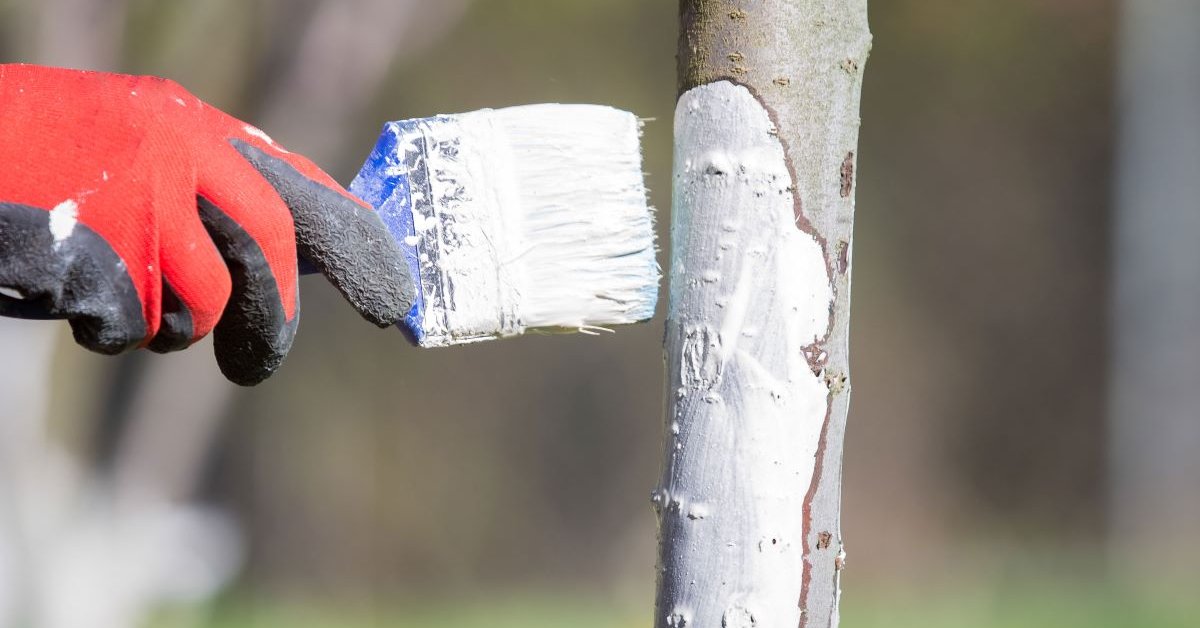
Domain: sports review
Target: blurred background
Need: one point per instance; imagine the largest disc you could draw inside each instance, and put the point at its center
(1024, 439)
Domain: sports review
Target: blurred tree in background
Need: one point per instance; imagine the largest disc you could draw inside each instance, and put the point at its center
(979, 334)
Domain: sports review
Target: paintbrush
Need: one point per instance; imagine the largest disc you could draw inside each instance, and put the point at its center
(531, 218)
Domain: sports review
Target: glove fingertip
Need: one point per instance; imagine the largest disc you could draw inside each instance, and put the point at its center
(254, 333)
(251, 344)
(103, 337)
(245, 359)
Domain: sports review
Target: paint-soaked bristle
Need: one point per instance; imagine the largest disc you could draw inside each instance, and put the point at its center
(586, 230)
(527, 218)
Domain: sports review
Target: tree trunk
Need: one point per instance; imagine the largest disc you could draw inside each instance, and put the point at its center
(756, 346)
(1155, 372)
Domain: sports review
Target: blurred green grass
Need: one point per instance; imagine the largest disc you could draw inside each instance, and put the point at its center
(1050, 603)
(521, 611)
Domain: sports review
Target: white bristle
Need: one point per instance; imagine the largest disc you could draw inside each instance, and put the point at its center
(582, 215)
(537, 219)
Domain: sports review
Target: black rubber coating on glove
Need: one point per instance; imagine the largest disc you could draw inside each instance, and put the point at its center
(253, 335)
(79, 278)
(348, 243)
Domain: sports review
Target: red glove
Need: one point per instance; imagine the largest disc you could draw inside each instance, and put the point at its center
(148, 218)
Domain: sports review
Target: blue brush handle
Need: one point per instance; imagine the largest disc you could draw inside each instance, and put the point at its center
(383, 182)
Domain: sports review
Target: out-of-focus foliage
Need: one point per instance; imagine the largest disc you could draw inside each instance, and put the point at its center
(980, 281)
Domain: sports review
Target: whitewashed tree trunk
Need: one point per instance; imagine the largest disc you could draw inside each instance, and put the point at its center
(1155, 373)
(756, 344)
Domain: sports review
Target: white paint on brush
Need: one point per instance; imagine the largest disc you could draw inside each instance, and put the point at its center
(469, 295)
(581, 216)
(63, 219)
(749, 292)
(537, 219)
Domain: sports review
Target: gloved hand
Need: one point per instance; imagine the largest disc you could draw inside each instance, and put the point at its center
(148, 218)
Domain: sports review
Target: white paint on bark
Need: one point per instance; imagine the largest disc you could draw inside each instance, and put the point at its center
(750, 291)
(802, 60)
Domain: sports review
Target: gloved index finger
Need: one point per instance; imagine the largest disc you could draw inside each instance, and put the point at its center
(346, 241)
